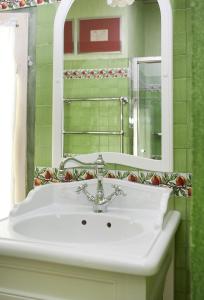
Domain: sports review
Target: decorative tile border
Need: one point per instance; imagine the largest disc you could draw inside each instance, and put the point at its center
(96, 73)
(17, 4)
(180, 183)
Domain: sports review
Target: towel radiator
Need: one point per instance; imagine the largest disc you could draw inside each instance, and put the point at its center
(121, 100)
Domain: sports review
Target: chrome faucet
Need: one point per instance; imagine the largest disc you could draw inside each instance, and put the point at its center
(99, 200)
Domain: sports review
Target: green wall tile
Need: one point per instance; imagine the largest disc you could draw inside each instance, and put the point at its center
(180, 86)
(180, 160)
(179, 20)
(189, 112)
(43, 156)
(189, 136)
(46, 14)
(188, 231)
(43, 136)
(189, 160)
(189, 89)
(43, 96)
(189, 208)
(180, 113)
(180, 40)
(44, 54)
(44, 35)
(44, 76)
(179, 4)
(180, 136)
(92, 143)
(43, 115)
(171, 205)
(189, 20)
(189, 43)
(96, 64)
(189, 65)
(180, 66)
(181, 206)
(188, 3)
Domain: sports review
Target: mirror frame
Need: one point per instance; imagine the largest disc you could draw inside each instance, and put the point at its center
(166, 163)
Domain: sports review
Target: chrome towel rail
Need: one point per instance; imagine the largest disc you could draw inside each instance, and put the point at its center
(122, 100)
(95, 132)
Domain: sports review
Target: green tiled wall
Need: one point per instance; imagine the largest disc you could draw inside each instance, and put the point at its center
(182, 139)
(43, 119)
(197, 220)
(182, 87)
(182, 115)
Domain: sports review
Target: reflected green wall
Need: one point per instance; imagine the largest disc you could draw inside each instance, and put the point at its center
(140, 36)
(96, 116)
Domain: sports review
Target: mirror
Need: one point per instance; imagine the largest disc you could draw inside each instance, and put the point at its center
(116, 96)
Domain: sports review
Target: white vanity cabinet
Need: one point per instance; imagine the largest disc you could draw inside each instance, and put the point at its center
(22, 279)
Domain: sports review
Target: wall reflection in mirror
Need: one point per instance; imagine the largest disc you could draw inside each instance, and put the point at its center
(112, 88)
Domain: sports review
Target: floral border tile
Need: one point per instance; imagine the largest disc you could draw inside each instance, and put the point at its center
(18, 4)
(181, 184)
(96, 73)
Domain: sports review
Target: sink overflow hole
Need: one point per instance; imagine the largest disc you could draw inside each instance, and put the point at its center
(109, 225)
(83, 222)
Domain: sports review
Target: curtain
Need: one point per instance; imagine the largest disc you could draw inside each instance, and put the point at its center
(7, 116)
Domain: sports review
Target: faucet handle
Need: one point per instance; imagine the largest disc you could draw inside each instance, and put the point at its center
(60, 174)
(119, 191)
(81, 188)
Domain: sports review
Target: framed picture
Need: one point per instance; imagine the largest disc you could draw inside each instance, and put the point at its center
(68, 37)
(99, 35)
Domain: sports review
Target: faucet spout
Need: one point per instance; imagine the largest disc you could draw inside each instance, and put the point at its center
(99, 200)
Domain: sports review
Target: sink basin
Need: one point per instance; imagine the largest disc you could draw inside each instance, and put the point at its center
(79, 228)
(55, 224)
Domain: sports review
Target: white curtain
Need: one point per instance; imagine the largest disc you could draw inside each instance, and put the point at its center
(7, 116)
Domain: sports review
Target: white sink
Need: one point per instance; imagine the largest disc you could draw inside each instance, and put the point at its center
(79, 228)
(56, 224)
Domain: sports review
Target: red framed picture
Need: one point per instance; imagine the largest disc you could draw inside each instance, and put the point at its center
(99, 35)
(68, 37)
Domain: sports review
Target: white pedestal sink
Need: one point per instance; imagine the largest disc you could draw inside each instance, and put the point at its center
(125, 252)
